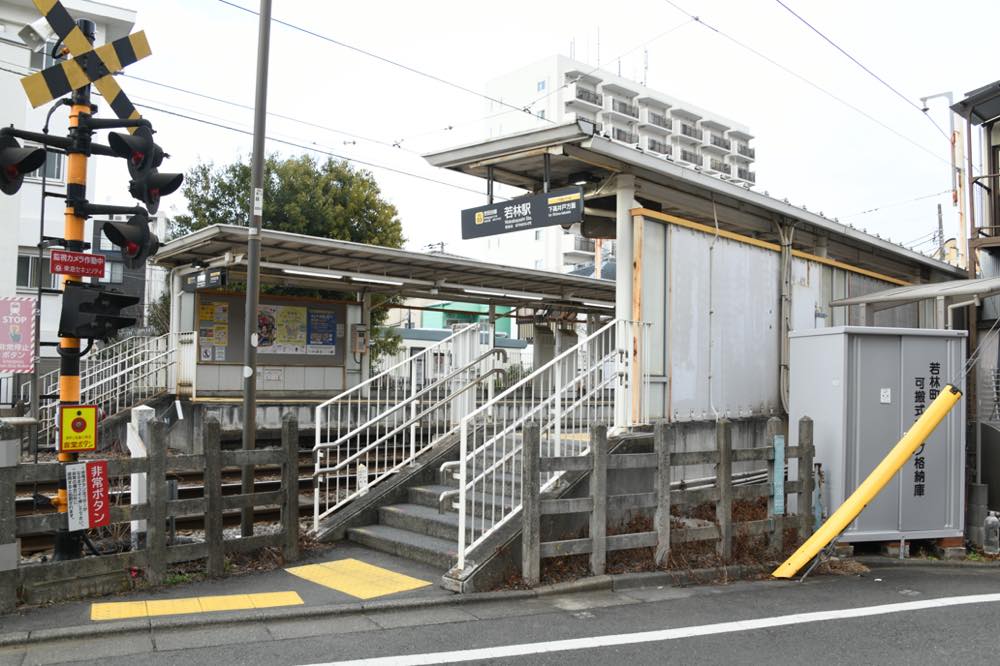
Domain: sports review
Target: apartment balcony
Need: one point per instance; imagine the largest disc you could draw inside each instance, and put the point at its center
(746, 151)
(580, 248)
(654, 122)
(657, 146)
(718, 144)
(747, 175)
(584, 99)
(624, 136)
(690, 133)
(720, 167)
(691, 157)
(620, 111)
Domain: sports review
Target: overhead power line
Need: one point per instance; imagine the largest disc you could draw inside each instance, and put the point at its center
(893, 205)
(862, 66)
(389, 61)
(808, 82)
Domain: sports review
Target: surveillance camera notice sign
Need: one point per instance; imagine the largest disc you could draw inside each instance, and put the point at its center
(80, 264)
(17, 334)
(88, 496)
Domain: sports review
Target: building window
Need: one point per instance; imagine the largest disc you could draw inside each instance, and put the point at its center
(28, 269)
(538, 234)
(54, 168)
(539, 264)
(540, 86)
(541, 114)
(114, 273)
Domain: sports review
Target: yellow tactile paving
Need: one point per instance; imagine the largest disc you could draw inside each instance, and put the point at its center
(122, 610)
(357, 578)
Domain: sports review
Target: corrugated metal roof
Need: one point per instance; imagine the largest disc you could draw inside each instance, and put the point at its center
(981, 287)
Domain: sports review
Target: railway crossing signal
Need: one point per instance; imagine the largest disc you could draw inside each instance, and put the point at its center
(88, 311)
(16, 161)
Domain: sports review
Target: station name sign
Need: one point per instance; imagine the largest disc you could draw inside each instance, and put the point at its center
(558, 207)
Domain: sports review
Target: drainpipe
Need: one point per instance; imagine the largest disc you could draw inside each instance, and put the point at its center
(785, 233)
(951, 310)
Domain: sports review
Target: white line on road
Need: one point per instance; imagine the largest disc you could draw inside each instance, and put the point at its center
(503, 651)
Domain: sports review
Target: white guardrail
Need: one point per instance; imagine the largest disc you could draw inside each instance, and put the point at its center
(580, 387)
(372, 430)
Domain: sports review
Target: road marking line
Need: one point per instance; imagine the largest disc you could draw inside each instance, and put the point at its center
(123, 610)
(356, 578)
(590, 642)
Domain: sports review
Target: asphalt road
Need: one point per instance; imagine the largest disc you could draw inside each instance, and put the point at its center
(889, 616)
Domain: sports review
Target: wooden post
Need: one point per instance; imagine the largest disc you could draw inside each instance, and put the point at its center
(530, 512)
(10, 453)
(599, 493)
(290, 481)
(213, 497)
(663, 441)
(156, 494)
(775, 538)
(806, 452)
(724, 480)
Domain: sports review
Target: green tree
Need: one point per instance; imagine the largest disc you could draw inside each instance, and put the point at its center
(328, 199)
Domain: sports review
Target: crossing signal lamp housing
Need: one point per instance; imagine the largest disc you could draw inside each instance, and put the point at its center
(16, 161)
(144, 157)
(136, 242)
(92, 311)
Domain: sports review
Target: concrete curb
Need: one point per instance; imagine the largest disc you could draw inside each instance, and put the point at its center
(613, 582)
(883, 562)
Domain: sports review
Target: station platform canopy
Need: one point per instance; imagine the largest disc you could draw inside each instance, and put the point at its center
(322, 263)
(580, 153)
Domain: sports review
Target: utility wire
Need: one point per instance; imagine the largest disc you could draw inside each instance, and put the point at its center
(893, 205)
(389, 61)
(862, 66)
(805, 80)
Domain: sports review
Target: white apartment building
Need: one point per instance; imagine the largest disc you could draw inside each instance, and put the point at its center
(20, 214)
(562, 89)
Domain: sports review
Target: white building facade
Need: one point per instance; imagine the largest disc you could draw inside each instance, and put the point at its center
(20, 215)
(561, 89)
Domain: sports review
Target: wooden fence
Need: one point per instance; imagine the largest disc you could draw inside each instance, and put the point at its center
(67, 578)
(723, 493)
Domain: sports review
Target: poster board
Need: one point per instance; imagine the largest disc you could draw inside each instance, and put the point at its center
(291, 331)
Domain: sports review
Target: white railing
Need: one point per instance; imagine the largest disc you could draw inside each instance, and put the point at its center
(115, 378)
(578, 388)
(372, 430)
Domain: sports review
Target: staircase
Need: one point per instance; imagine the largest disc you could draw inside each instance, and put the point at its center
(116, 378)
(469, 513)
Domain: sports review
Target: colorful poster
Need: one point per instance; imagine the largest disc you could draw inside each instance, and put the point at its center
(17, 334)
(281, 329)
(322, 332)
(205, 312)
(220, 314)
(220, 335)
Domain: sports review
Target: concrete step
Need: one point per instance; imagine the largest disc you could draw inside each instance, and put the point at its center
(403, 543)
(477, 502)
(427, 495)
(423, 519)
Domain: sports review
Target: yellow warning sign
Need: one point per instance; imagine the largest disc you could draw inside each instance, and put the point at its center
(77, 427)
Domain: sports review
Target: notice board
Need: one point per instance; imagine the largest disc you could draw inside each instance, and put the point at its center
(289, 331)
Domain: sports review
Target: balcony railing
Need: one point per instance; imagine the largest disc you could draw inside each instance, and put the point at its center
(719, 165)
(581, 244)
(590, 96)
(746, 151)
(660, 121)
(690, 156)
(622, 107)
(720, 142)
(658, 146)
(623, 136)
(746, 174)
(691, 131)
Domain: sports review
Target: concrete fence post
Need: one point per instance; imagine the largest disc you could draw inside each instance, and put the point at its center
(775, 537)
(599, 494)
(213, 497)
(137, 440)
(156, 492)
(724, 480)
(531, 510)
(806, 453)
(10, 454)
(664, 436)
(290, 482)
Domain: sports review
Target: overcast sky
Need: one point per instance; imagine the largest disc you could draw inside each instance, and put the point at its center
(811, 148)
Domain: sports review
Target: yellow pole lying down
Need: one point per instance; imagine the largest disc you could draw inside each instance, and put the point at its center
(871, 486)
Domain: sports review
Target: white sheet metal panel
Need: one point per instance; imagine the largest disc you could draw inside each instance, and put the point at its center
(744, 341)
(807, 282)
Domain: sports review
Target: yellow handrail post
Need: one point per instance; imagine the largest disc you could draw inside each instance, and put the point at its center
(871, 486)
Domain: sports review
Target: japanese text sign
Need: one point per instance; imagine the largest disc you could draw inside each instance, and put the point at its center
(79, 264)
(17, 334)
(88, 495)
(77, 428)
